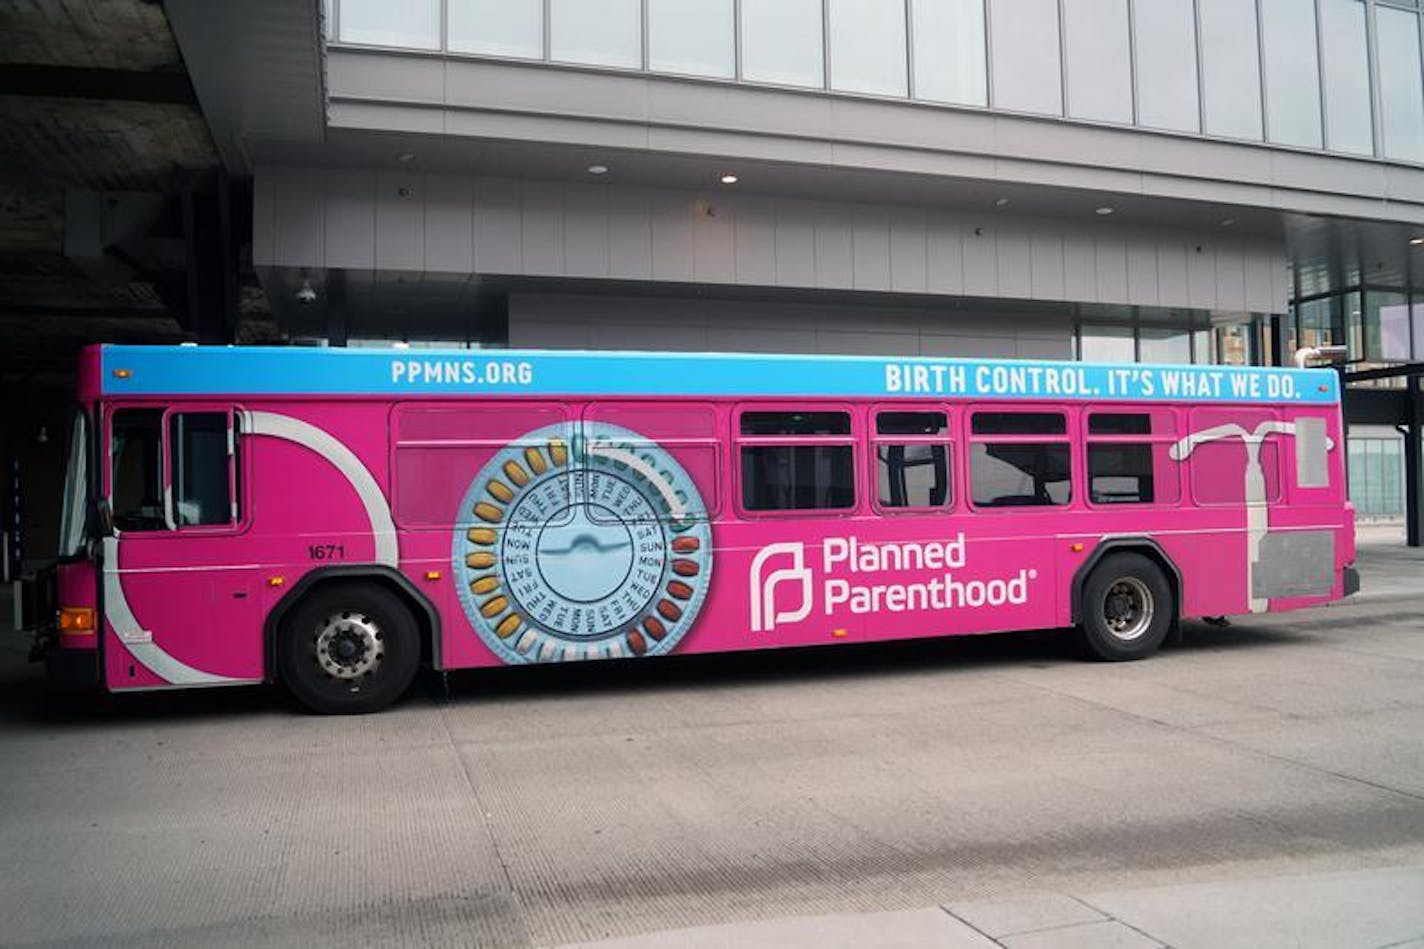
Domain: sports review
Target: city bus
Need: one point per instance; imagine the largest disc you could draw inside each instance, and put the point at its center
(332, 519)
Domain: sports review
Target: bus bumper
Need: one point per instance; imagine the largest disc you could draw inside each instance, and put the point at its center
(72, 669)
(1352, 581)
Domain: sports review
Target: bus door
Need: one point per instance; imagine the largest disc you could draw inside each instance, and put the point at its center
(179, 597)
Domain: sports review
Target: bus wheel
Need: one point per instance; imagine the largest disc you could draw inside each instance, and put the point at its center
(1126, 608)
(348, 649)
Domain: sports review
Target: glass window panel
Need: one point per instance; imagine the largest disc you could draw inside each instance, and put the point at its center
(598, 32)
(1019, 423)
(1026, 65)
(868, 46)
(911, 423)
(781, 42)
(1162, 345)
(1400, 82)
(1347, 77)
(413, 25)
(199, 468)
(1123, 474)
(1107, 344)
(1381, 311)
(692, 37)
(1096, 39)
(136, 469)
(1020, 474)
(1292, 72)
(1231, 69)
(1203, 347)
(496, 27)
(1119, 423)
(912, 475)
(797, 477)
(1165, 34)
(795, 423)
(950, 64)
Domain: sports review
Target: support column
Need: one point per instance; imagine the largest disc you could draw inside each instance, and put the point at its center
(1413, 488)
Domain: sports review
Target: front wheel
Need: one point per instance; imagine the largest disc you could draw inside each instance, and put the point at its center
(348, 649)
(1126, 609)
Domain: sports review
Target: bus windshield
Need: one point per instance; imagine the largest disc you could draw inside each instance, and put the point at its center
(76, 478)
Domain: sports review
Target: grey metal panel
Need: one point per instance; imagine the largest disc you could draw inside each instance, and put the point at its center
(870, 248)
(1266, 290)
(400, 221)
(1295, 563)
(981, 260)
(795, 245)
(835, 253)
(630, 234)
(1230, 276)
(1034, 347)
(984, 345)
(672, 236)
(1172, 271)
(1047, 262)
(1110, 266)
(909, 251)
(298, 232)
(499, 227)
(449, 224)
(1015, 261)
(944, 254)
(1201, 274)
(586, 230)
(714, 243)
(1080, 269)
(755, 243)
(542, 208)
(398, 78)
(1312, 459)
(350, 218)
(1142, 281)
(760, 339)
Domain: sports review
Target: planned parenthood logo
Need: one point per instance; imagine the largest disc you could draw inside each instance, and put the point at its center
(869, 577)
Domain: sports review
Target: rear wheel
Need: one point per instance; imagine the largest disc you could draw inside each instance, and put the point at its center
(348, 649)
(1126, 609)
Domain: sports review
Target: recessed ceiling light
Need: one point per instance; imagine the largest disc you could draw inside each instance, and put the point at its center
(405, 157)
(1104, 210)
(598, 169)
(1001, 202)
(729, 179)
(1228, 221)
(1416, 241)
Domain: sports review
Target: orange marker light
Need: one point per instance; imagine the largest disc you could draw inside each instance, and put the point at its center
(839, 633)
(432, 574)
(76, 619)
(1076, 548)
(276, 581)
(122, 373)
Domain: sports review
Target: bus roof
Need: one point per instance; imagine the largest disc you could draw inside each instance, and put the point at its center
(306, 371)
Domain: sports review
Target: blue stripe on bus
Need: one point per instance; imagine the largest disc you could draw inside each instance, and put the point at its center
(236, 370)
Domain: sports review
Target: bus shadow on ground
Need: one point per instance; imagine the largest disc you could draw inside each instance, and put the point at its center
(25, 696)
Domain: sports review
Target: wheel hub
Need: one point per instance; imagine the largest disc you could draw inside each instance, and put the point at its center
(1128, 608)
(349, 646)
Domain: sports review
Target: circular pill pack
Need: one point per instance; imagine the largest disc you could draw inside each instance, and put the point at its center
(582, 542)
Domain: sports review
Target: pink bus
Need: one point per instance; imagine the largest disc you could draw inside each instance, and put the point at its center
(332, 519)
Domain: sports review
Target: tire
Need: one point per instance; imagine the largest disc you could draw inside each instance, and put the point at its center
(1126, 609)
(348, 649)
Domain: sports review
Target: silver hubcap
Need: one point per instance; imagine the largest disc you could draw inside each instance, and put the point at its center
(1128, 608)
(349, 646)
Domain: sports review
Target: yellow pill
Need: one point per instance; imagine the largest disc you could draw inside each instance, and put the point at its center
(536, 460)
(480, 535)
(485, 585)
(500, 490)
(480, 560)
(493, 606)
(488, 512)
(558, 451)
(516, 473)
(508, 626)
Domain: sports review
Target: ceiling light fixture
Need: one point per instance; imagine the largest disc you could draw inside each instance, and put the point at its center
(1228, 221)
(405, 158)
(1416, 241)
(729, 179)
(1001, 202)
(598, 169)
(1104, 210)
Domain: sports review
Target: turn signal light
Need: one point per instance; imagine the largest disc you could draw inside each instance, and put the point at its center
(122, 373)
(76, 619)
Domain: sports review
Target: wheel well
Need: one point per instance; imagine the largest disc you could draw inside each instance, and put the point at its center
(426, 618)
(1135, 545)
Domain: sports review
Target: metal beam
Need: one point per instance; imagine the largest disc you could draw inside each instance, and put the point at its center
(84, 82)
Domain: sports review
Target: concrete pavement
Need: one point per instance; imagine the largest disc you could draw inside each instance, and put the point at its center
(1270, 773)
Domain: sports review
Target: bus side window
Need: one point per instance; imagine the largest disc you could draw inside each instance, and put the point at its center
(136, 469)
(912, 459)
(200, 466)
(796, 461)
(1020, 459)
(1129, 459)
